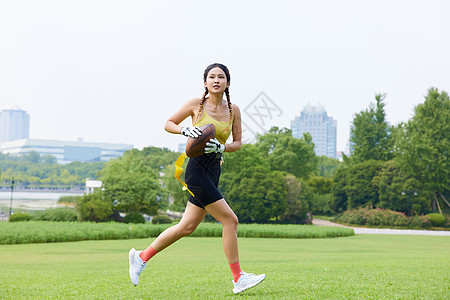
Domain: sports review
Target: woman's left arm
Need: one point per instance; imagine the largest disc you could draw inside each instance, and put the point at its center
(237, 131)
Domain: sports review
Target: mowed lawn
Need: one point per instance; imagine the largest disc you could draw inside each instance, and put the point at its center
(357, 267)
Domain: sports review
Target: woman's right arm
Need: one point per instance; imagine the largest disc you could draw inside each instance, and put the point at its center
(190, 108)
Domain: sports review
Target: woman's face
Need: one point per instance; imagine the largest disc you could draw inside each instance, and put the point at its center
(216, 81)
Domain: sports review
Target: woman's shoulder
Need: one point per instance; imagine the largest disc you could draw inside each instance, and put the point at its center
(194, 101)
(236, 108)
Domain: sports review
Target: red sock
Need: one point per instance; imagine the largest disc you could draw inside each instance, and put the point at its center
(147, 254)
(236, 271)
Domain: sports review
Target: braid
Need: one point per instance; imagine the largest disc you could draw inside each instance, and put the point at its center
(230, 107)
(200, 106)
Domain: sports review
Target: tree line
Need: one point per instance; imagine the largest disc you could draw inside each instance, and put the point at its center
(279, 178)
(402, 167)
(33, 171)
(263, 182)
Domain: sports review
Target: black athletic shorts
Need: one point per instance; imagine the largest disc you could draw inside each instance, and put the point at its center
(202, 177)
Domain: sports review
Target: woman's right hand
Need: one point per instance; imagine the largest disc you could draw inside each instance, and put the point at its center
(193, 132)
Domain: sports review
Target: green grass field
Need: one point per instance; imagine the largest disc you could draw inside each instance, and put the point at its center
(357, 267)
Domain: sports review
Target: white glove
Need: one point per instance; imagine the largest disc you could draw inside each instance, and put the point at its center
(214, 146)
(193, 132)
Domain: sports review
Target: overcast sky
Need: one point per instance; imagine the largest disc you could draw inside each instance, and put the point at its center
(114, 71)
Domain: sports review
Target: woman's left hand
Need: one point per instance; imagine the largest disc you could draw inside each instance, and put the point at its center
(214, 146)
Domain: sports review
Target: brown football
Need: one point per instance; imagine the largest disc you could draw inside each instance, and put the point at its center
(196, 147)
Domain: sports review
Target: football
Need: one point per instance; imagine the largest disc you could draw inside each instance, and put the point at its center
(196, 147)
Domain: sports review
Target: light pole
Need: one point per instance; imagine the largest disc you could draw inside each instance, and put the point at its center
(10, 203)
(410, 192)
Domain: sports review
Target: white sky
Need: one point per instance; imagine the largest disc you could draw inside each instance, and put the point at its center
(114, 71)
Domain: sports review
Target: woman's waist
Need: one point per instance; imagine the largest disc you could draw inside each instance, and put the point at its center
(210, 157)
(204, 163)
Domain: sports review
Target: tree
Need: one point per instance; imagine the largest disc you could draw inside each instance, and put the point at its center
(248, 157)
(32, 156)
(423, 145)
(371, 144)
(398, 191)
(339, 200)
(326, 166)
(321, 194)
(41, 174)
(48, 159)
(158, 158)
(370, 134)
(94, 207)
(131, 184)
(288, 154)
(359, 189)
(174, 189)
(256, 194)
(320, 185)
(297, 205)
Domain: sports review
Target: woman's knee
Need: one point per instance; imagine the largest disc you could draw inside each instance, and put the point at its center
(187, 229)
(235, 220)
(231, 221)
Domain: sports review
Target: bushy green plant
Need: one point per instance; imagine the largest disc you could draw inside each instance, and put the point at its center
(161, 219)
(354, 216)
(383, 217)
(436, 219)
(95, 208)
(134, 217)
(18, 217)
(419, 222)
(57, 215)
(447, 221)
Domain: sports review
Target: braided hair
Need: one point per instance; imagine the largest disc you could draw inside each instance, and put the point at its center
(227, 91)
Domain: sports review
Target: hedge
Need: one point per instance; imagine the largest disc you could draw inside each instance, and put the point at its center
(49, 232)
(383, 218)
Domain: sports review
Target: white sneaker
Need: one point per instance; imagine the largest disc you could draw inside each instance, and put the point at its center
(137, 265)
(246, 281)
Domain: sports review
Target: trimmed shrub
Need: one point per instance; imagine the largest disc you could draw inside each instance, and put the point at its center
(383, 217)
(94, 208)
(447, 222)
(419, 222)
(161, 219)
(19, 217)
(57, 215)
(436, 219)
(134, 217)
(51, 232)
(354, 216)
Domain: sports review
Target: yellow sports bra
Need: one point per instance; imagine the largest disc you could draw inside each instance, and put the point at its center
(223, 129)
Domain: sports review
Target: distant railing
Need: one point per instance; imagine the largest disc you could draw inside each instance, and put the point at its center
(43, 189)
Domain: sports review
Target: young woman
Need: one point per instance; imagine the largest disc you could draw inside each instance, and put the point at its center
(202, 176)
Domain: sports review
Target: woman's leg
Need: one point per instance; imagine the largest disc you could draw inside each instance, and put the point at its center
(192, 216)
(222, 212)
(225, 215)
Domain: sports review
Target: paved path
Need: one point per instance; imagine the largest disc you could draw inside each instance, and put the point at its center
(361, 230)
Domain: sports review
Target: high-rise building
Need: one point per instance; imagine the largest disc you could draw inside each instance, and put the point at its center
(314, 119)
(14, 125)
